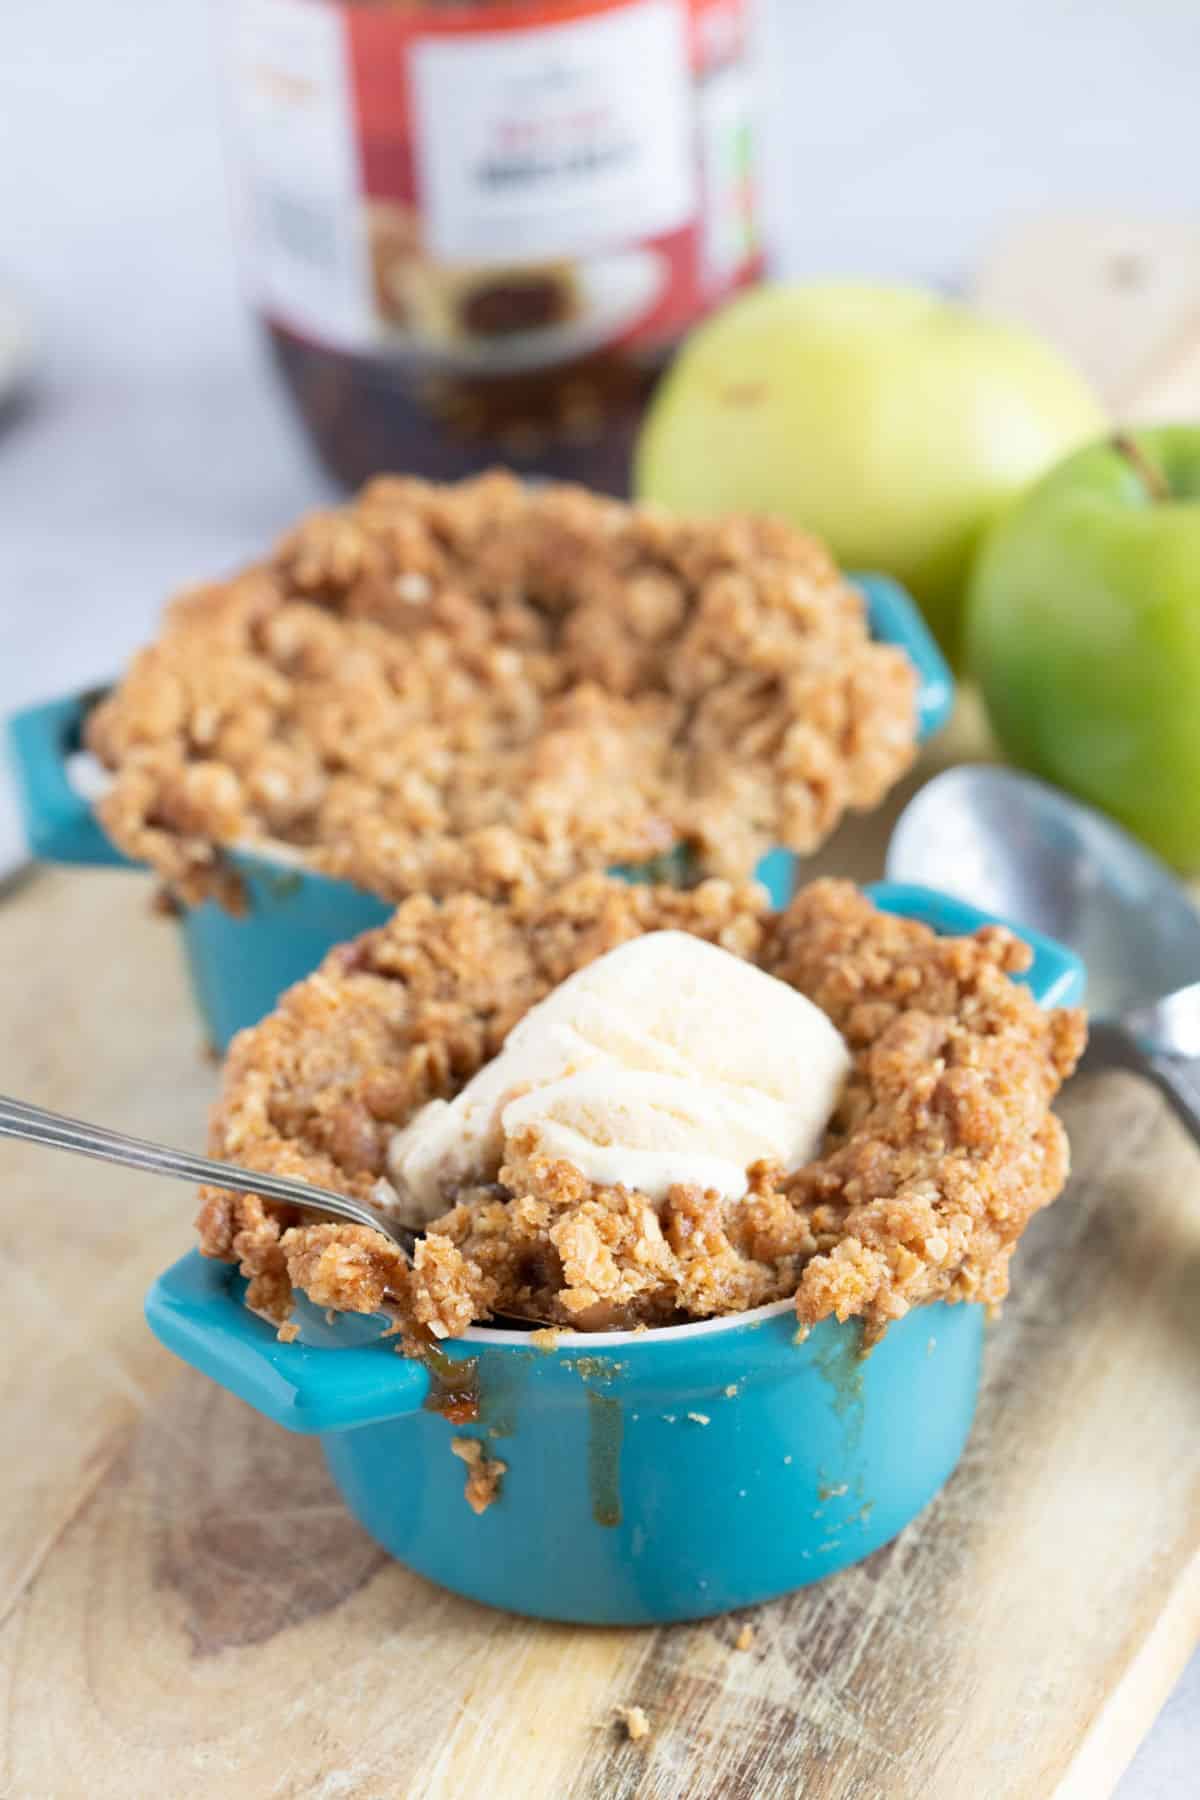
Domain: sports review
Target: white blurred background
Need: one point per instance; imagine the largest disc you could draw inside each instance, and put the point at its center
(901, 139)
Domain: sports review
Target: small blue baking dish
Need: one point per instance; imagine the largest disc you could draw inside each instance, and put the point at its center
(650, 1476)
(241, 964)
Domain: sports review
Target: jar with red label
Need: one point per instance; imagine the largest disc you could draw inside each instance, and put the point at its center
(475, 232)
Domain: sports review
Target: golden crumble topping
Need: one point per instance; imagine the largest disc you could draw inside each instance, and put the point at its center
(434, 689)
(941, 1148)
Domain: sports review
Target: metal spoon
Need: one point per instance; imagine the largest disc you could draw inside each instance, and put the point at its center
(1027, 852)
(37, 1125)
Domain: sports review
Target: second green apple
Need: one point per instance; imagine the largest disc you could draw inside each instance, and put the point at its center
(1083, 628)
(892, 423)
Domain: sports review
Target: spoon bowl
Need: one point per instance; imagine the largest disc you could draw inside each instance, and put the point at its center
(1038, 858)
(1017, 847)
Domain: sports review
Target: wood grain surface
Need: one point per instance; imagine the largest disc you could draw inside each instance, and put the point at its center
(186, 1610)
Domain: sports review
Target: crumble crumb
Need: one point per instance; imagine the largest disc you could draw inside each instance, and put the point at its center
(433, 689)
(941, 1149)
(731, 1392)
(745, 1638)
(634, 1719)
(288, 1332)
(700, 1418)
(547, 1337)
(484, 1473)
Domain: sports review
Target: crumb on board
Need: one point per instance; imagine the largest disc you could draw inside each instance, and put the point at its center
(634, 1719)
(547, 1338)
(484, 1473)
(699, 1418)
(731, 1392)
(288, 1332)
(745, 1638)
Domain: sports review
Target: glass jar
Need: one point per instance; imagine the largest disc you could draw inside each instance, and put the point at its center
(475, 232)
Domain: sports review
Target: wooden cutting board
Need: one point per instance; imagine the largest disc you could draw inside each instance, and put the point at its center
(185, 1610)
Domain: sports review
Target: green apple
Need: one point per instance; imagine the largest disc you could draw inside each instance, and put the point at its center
(890, 422)
(1083, 628)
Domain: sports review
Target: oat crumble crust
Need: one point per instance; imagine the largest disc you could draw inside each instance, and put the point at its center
(941, 1149)
(436, 689)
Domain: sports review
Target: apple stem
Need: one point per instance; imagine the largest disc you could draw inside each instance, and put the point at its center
(1149, 473)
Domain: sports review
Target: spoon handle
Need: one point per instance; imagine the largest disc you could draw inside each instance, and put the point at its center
(1178, 1080)
(1176, 1077)
(38, 1125)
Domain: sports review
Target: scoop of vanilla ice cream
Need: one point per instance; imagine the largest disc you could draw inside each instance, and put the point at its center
(667, 1060)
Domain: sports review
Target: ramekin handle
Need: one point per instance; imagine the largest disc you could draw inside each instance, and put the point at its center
(196, 1310)
(895, 618)
(1056, 976)
(59, 822)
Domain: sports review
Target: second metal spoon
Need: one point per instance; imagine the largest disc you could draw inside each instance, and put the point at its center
(1022, 849)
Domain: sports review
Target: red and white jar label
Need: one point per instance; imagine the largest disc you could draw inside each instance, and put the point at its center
(494, 186)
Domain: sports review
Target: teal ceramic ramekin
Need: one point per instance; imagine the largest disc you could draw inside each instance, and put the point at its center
(650, 1476)
(241, 964)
